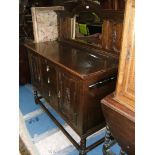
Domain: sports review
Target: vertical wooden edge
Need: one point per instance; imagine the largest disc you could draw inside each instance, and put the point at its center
(34, 21)
(74, 27)
(124, 46)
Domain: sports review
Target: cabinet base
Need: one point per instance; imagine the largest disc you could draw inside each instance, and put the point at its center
(83, 150)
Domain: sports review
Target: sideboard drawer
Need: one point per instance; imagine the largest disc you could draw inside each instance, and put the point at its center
(51, 95)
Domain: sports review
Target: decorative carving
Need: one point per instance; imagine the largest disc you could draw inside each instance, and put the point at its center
(67, 99)
(59, 95)
(109, 142)
(114, 34)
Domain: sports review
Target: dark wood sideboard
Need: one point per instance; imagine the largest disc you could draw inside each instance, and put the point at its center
(73, 81)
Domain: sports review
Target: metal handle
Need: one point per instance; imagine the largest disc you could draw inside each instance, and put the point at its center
(48, 81)
(103, 82)
(49, 93)
(47, 68)
(39, 78)
(59, 95)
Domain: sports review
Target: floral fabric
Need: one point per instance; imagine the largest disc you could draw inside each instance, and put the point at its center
(44, 24)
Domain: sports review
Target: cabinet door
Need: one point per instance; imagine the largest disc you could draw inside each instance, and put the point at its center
(125, 91)
(68, 97)
(35, 69)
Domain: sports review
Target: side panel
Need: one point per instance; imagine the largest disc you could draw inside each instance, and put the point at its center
(35, 69)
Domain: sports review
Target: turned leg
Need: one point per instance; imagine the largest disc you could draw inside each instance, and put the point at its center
(107, 141)
(83, 146)
(36, 96)
(122, 152)
(35, 93)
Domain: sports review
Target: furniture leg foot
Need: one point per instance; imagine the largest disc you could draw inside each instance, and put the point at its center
(35, 93)
(83, 146)
(122, 152)
(107, 143)
(36, 96)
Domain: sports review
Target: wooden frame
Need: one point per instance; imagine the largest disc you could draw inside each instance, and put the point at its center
(111, 36)
(125, 85)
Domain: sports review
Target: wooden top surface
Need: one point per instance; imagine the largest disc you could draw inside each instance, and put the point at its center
(112, 103)
(79, 61)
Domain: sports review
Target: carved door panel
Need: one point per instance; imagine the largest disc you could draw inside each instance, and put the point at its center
(125, 91)
(35, 69)
(116, 36)
(112, 35)
(68, 97)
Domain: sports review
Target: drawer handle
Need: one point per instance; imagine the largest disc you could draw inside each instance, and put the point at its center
(47, 68)
(103, 82)
(48, 81)
(59, 95)
(39, 78)
(49, 93)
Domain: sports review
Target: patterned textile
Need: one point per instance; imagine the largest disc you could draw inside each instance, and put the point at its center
(45, 25)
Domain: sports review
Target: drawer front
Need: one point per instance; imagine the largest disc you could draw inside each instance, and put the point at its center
(49, 73)
(50, 94)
